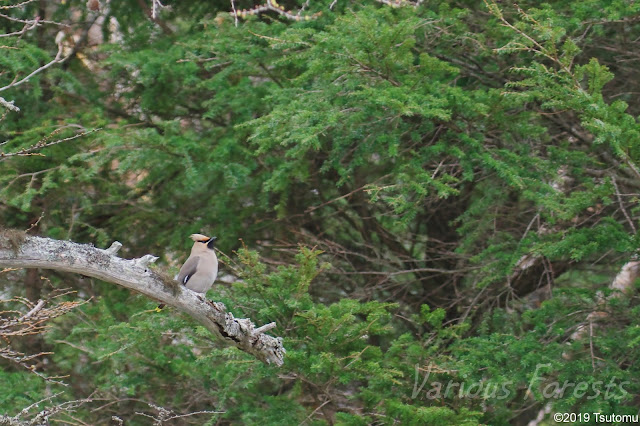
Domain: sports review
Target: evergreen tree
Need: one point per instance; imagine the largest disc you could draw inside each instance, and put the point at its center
(429, 193)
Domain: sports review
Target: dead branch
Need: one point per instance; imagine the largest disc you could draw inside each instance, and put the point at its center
(15, 323)
(24, 251)
(273, 6)
(44, 143)
(42, 418)
(165, 415)
(58, 59)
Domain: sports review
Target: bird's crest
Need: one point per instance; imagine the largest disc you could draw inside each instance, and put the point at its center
(199, 238)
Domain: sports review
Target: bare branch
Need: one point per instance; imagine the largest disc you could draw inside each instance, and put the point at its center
(42, 417)
(58, 59)
(36, 20)
(398, 3)
(44, 143)
(27, 27)
(36, 308)
(164, 414)
(272, 5)
(46, 253)
(15, 324)
(624, 211)
(17, 5)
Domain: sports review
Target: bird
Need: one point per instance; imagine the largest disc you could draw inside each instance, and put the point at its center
(200, 270)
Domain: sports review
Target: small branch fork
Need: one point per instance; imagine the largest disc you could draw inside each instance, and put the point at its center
(58, 59)
(134, 274)
(14, 324)
(29, 24)
(43, 417)
(271, 5)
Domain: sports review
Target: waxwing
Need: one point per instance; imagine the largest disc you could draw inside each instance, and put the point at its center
(201, 268)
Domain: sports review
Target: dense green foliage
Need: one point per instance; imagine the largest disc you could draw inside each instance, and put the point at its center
(431, 195)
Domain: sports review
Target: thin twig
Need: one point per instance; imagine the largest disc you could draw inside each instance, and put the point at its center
(593, 363)
(56, 60)
(32, 311)
(17, 5)
(624, 211)
(44, 144)
(314, 412)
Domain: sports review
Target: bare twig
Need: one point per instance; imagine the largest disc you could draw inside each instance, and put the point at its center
(34, 224)
(398, 3)
(314, 412)
(27, 27)
(272, 5)
(58, 59)
(35, 309)
(164, 414)
(624, 211)
(17, 5)
(15, 324)
(44, 143)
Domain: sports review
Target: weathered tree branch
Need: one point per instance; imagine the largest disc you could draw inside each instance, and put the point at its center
(20, 251)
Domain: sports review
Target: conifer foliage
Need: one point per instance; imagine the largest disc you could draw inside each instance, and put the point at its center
(436, 202)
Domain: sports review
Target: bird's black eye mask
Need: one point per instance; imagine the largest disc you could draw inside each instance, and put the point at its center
(210, 242)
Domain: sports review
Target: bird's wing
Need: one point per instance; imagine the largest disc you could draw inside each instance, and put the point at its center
(188, 269)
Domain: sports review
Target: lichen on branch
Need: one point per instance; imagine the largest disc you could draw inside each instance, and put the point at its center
(134, 274)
